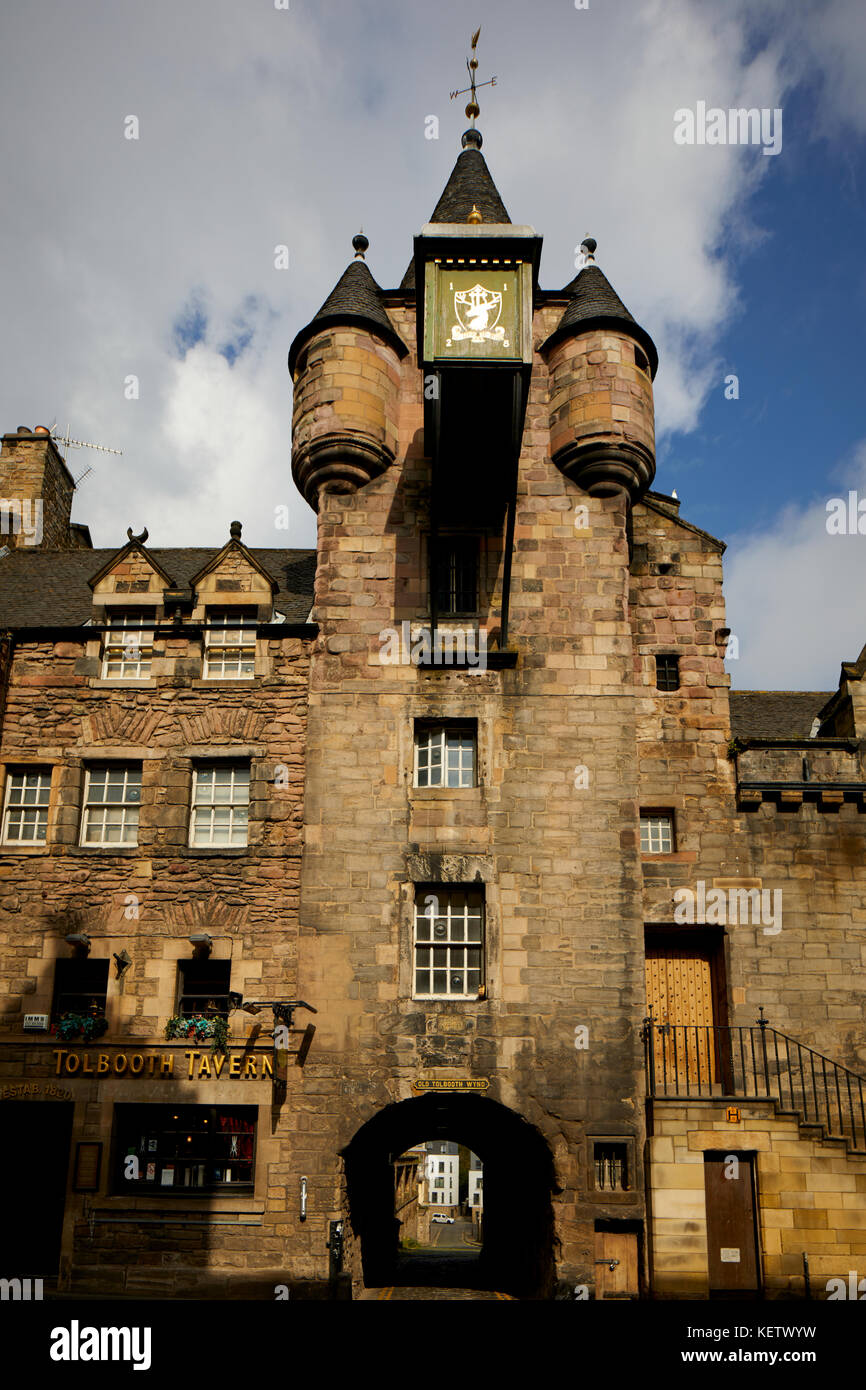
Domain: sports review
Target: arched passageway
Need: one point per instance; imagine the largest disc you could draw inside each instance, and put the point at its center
(517, 1255)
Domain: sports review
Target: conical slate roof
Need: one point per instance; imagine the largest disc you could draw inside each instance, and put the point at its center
(470, 183)
(356, 298)
(594, 303)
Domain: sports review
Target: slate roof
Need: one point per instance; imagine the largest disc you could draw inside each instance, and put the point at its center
(594, 303)
(356, 298)
(49, 588)
(470, 182)
(775, 713)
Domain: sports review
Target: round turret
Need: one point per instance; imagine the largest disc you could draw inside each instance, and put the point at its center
(345, 366)
(601, 364)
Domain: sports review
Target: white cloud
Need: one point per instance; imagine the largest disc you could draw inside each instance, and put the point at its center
(261, 127)
(793, 594)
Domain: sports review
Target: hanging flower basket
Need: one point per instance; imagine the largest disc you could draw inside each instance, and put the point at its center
(197, 1028)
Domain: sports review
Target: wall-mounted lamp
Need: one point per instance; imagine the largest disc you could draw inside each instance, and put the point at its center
(235, 999)
(122, 962)
(80, 940)
(202, 943)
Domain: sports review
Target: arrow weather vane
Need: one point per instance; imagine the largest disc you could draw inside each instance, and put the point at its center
(472, 107)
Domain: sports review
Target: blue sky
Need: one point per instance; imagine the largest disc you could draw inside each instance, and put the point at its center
(261, 128)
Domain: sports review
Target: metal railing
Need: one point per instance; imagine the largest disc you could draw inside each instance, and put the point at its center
(702, 1062)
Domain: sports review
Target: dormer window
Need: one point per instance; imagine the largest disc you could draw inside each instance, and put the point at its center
(230, 643)
(128, 645)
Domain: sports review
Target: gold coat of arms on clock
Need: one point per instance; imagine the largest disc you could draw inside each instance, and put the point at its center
(477, 311)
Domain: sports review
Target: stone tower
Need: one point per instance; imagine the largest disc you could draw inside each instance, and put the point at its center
(475, 486)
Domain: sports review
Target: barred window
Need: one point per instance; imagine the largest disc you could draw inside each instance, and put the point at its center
(127, 646)
(25, 812)
(611, 1167)
(230, 644)
(456, 578)
(111, 801)
(220, 804)
(668, 672)
(449, 936)
(445, 755)
(656, 834)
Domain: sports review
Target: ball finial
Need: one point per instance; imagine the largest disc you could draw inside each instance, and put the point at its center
(360, 243)
(471, 139)
(235, 530)
(588, 247)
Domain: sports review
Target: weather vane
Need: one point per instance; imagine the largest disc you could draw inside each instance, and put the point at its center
(472, 107)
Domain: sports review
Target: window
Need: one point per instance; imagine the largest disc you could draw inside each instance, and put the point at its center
(449, 925)
(640, 361)
(439, 1184)
(230, 643)
(445, 754)
(80, 987)
(668, 672)
(456, 578)
(441, 1167)
(220, 809)
(656, 833)
(184, 1148)
(611, 1167)
(111, 800)
(128, 646)
(203, 987)
(25, 812)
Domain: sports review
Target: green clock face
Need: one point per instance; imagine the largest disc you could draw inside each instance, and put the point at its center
(476, 313)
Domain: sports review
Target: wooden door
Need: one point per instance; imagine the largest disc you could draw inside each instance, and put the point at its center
(622, 1280)
(732, 1232)
(679, 989)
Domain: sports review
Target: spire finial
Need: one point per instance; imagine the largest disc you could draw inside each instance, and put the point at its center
(475, 215)
(588, 246)
(360, 243)
(235, 531)
(472, 107)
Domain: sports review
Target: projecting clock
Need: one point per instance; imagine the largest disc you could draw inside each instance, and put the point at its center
(477, 312)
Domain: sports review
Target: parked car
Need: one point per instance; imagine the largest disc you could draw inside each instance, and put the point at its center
(443, 1220)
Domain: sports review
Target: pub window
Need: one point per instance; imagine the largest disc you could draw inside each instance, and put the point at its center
(611, 1167)
(449, 942)
(112, 795)
(203, 988)
(230, 644)
(445, 754)
(186, 1149)
(80, 987)
(456, 575)
(25, 806)
(656, 832)
(127, 645)
(220, 805)
(667, 672)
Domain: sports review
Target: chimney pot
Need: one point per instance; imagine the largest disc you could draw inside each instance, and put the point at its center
(24, 429)
(41, 429)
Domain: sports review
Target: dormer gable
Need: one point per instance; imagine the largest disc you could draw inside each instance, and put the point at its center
(131, 577)
(234, 577)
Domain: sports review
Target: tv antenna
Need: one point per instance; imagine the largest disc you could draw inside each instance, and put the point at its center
(71, 443)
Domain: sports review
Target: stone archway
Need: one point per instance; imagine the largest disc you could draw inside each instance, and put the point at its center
(518, 1182)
